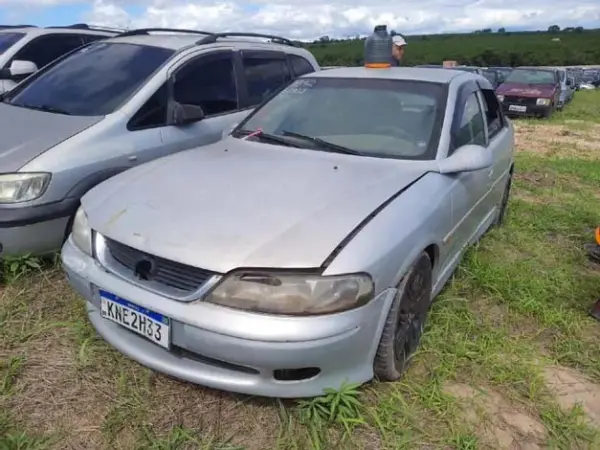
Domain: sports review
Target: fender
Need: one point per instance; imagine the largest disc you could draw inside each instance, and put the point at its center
(92, 180)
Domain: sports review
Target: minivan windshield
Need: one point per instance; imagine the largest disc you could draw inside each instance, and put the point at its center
(531, 76)
(369, 117)
(93, 81)
(7, 40)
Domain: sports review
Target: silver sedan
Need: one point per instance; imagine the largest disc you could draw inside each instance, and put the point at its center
(305, 248)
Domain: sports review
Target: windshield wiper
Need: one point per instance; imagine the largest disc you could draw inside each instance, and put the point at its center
(323, 144)
(261, 135)
(46, 108)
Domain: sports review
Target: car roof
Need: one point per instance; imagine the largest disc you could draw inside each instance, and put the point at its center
(432, 75)
(177, 41)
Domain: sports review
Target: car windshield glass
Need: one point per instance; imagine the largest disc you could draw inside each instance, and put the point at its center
(531, 77)
(370, 117)
(93, 81)
(7, 40)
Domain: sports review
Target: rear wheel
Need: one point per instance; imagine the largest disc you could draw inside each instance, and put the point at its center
(504, 202)
(405, 322)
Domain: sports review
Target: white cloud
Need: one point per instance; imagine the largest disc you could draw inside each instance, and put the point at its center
(310, 19)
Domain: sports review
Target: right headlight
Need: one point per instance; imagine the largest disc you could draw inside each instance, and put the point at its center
(543, 101)
(81, 232)
(22, 187)
(292, 294)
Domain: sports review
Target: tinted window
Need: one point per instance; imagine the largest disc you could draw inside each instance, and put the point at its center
(300, 66)
(93, 81)
(264, 76)
(385, 118)
(7, 40)
(208, 82)
(493, 112)
(45, 49)
(531, 76)
(87, 38)
(153, 113)
(471, 129)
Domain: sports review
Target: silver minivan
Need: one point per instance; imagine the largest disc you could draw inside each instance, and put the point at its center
(118, 103)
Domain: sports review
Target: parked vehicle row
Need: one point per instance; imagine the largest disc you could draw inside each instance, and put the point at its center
(236, 217)
(25, 49)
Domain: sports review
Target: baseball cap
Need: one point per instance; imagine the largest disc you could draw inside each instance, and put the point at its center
(398, 40)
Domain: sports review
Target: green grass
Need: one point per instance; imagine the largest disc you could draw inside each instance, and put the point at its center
(517, 306)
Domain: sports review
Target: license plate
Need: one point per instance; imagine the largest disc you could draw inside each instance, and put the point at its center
(517, 108)
(149, 324)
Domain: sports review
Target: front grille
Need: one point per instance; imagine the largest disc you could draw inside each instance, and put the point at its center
(168, 273)
(520, 100)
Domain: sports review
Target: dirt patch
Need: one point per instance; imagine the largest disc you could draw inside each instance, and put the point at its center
(499, 424)
(558, 140)
(571, 388)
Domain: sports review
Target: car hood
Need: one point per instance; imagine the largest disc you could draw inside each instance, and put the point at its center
(526, 90)
(244, 204)
(27, 133)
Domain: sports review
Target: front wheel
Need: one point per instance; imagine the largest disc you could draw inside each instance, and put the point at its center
(405, 321)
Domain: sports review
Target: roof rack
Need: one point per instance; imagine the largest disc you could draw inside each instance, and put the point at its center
(212, 38)
(8, 27)
(85, 26)
(143, 31)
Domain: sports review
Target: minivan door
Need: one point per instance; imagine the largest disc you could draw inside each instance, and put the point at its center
(211, 82)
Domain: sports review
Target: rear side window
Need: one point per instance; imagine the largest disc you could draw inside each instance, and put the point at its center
(208, 82)
(472, 128)
(264, 74)
(300, 65)
(493, 112)
(93, 81)
(7, 40)
(45, 49)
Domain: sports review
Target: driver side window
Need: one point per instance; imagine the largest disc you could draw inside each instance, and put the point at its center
(472, 126)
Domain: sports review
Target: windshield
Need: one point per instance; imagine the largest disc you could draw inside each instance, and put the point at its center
(7, 40)
(531, 76)
(589, 75)
(371, 117)
(93, 81)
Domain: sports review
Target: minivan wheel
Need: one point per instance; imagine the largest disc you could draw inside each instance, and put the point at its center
(405, 321)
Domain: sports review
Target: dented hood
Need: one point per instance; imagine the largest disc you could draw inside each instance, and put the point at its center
(244, 204)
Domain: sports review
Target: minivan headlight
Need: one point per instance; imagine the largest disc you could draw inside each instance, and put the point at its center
(292, 294)
(81, 232)
(22, 187)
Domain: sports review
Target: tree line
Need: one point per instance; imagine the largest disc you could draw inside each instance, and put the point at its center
(555, 47)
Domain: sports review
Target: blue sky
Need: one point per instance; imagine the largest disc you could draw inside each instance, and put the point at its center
(308, 19)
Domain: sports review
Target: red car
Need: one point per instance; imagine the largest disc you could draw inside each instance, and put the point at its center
(530, 91)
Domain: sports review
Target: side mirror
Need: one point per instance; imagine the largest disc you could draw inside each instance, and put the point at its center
(467, 158)
(19, 68)
(184, 114)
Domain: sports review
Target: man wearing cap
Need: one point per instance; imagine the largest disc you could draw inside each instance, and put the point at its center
(398, 44)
